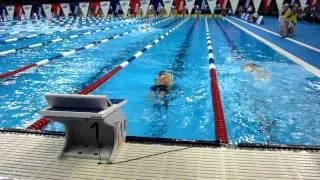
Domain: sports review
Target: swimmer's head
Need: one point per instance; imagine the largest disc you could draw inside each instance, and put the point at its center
(162, 73)
(250, 67)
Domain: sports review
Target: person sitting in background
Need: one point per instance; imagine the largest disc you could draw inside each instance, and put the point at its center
(257, 72)
(249, 10)
(253, 17)
(240, 11)
(162, 85)
(284, 20)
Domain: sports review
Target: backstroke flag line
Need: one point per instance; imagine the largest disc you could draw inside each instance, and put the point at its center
(266, 5)
(10, 10)
(179, 5)
(144, 6)
(27, 11)
(134, 6)
(124, 6)
(279, 4)
(234, 5)
(47, 10)
(105, 7)
(168, 5)
(256, 4)
(65, 9)
(303, 3)
(212, 5)
(84, 6)
(190, 5)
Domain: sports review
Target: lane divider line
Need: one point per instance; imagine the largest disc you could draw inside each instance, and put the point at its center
(42, 122)
(72, 51)
(11, 51)
(276, 34)
(67, 23)
(51, 32)
(15, 24)
(278, 49)
(46, 33)
(220, 127)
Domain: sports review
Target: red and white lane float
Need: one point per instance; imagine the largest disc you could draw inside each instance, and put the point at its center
(72, 51)
(220, 127)
(58, 39)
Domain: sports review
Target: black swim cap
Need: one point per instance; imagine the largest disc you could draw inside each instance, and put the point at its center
(162, 73)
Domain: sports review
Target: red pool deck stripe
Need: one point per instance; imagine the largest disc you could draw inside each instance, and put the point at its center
(220, 127)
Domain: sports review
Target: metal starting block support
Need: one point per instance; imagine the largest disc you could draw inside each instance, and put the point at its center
(95, 127)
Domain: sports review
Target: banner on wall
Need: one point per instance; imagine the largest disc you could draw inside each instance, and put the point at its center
(279, 4)
(65, 9)
(95, 6)
(179, 5)
(134, 6)
(212, 5)
(190, 5)
(155, 4)
(203, 5)
(47, 10)
(56, 9)
(266, 5)
(292, 2)
(303, 3)
(10, 10)
(247, 3)
(168, 5)
(18, 11)
(105, 7)
(84, 6)
(234, 5)
(223, 4)
(314, 2)
(124, 6)
(144, 6)
(256, 4)
(27, 11)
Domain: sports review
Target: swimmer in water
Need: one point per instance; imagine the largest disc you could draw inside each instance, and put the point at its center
(162, 85)
(257, 72)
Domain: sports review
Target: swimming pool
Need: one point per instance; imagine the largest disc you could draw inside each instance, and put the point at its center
(282, 110)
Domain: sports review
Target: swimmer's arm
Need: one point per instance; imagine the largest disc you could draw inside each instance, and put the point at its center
(161, 95)
(151, 93)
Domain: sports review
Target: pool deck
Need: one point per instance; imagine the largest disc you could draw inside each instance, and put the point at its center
(300, 47)
(29, 156)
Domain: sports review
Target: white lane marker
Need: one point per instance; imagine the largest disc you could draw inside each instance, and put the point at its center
(68, 53)
(7, 52)
(139, 53)
(89, 46)
(285, 53)
(212, 66)
(35, 45)
(276, 34)
(57, 40)
(124, 64)
(10, 40)
(43, 62)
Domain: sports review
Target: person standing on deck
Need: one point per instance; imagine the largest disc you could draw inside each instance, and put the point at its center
(293, 19)
(284, 20)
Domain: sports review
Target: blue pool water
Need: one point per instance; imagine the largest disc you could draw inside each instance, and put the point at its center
(282, 110)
